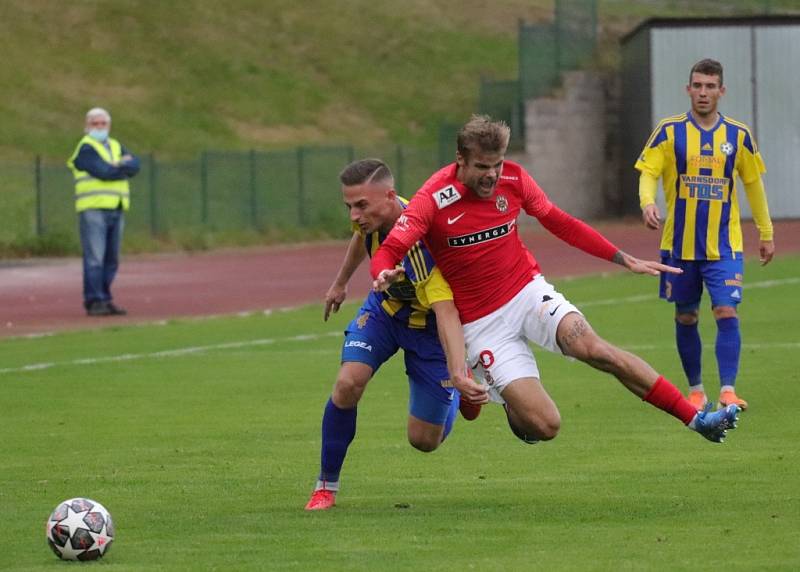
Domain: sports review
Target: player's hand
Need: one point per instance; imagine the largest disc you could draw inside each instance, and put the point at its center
(333, 299)
(650, 267)
(386, 278)
(474, 392)
(651, 217)
(766, 250)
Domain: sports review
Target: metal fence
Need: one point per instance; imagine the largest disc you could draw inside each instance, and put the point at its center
(217, 192)
(545, 50)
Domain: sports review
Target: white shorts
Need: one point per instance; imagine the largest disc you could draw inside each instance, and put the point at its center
(497, 344)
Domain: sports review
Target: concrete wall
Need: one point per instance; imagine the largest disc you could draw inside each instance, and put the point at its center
(571, 146)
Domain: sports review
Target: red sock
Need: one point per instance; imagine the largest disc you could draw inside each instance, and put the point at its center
(666, 396)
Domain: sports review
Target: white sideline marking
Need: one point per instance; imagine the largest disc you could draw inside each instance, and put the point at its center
(646, 297)
(311, 337)
(168, 353)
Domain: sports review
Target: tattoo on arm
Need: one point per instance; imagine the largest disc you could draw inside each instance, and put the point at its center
(578, 329)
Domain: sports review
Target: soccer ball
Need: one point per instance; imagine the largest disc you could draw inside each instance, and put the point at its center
(80, 529)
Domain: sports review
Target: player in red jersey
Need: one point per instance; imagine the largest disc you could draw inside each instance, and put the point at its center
(466, 213)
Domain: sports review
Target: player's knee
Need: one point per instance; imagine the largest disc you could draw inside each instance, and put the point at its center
(722, 312)
(425, 440)
(542, 427)
(424, 444)
(687, 318)
(348, 391)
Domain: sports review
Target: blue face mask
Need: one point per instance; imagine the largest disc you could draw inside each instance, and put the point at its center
(98, 134)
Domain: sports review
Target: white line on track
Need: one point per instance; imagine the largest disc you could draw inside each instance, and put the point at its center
(311, 337)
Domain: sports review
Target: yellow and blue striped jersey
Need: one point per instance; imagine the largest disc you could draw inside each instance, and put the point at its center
(699, 169)
(410, 299)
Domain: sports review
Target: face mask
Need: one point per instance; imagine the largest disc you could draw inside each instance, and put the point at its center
(98, 134)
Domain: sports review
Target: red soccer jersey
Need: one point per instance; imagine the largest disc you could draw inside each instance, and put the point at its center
(475, 241)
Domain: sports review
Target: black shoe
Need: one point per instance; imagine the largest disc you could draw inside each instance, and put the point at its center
(115, 310)
(98, 308)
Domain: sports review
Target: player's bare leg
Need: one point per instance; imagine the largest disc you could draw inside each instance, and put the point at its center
(423, 435)
(577, 339)
(532, 414)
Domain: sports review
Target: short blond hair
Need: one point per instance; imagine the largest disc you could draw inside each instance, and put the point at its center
(482, 134)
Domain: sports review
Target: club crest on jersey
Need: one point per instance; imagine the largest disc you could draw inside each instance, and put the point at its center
(501, 203)
(726, 147)
(362, 320)
(446, 196)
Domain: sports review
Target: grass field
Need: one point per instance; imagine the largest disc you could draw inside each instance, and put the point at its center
(202, 439)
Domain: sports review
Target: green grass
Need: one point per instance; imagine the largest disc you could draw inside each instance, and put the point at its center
(206, 457)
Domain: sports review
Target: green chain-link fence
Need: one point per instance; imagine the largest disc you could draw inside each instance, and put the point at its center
(218, 192)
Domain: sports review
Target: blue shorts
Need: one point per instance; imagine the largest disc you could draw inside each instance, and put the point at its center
(722, 278)
(374, 336)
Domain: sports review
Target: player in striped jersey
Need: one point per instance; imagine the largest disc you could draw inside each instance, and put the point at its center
(699, 155)
(409, 315)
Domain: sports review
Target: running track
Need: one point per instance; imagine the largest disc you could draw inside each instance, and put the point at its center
(44, 295)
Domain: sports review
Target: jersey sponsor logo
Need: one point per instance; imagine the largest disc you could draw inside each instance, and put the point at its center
(706, 161)
(726, 147)
(358, 344)
(501, 203)
(455, 218)
(509, 177)
(446, 196)
(704, 188)
(481, 236)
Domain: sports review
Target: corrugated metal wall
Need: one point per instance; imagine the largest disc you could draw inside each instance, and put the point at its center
(777, 84)
(760, 64)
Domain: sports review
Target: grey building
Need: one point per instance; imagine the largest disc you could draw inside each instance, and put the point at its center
(761, 57)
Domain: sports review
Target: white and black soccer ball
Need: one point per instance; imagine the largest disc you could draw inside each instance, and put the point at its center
(80, 529)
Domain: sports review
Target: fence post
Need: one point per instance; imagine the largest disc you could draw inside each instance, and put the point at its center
(153, 196)
(301, 191)
(204, 188)
(253, 191)
(37, 172)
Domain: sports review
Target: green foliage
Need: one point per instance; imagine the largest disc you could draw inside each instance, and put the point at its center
(202, 439)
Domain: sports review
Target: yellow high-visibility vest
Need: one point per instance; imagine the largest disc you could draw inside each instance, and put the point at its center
(91, 193)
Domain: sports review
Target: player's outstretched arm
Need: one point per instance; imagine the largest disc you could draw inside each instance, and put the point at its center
(638, 266)
(451, 336)
(336, 294)
(386, 278)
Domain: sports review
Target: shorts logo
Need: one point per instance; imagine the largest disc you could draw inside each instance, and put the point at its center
(736, 295)
(501, 203)
(446, 196)
(486, 358)
(480, 236)
(362, 320)
(358, 344)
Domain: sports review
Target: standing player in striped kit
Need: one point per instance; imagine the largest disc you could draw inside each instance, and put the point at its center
(699, 155)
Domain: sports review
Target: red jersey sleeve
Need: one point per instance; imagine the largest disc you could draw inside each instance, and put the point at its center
(409, 228)
(534, 200)
(577, 233)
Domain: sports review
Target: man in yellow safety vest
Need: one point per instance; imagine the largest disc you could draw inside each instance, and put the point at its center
(101, 167)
